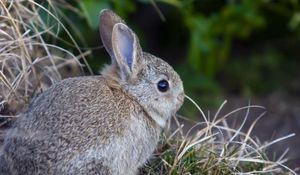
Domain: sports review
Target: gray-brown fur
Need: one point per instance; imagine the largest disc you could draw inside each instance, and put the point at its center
(108, 124)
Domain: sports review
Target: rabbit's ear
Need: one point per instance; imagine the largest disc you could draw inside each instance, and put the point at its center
(108, 19)
(126, 49)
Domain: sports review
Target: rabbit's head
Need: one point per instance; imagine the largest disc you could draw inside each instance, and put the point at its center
(152, 82)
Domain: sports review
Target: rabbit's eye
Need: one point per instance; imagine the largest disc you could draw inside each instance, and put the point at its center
(163, 85)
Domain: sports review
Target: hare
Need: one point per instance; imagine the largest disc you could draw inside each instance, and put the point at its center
(107, 124)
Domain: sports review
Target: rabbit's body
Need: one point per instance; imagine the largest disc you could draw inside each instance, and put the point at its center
(56, 130)
(108, 124)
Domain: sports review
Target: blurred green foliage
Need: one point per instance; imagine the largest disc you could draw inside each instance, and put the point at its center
(224, 46)
(211, 35)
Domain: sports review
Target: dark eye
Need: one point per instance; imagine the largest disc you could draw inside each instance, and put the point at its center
(163, 85)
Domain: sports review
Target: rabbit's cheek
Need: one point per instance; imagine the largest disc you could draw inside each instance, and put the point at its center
(178, 105)
(180, 99)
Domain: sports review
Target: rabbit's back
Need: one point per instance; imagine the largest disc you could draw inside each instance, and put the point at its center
(73, 105)
(80, 124)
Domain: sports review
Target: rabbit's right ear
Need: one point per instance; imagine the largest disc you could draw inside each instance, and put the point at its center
(108, 19)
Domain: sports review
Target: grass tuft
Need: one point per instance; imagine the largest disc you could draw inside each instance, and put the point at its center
(212, 148)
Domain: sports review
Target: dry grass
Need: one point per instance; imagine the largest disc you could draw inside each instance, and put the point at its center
(212, 147)
(28, 64)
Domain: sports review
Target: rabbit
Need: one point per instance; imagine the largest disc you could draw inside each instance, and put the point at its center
(107, 124)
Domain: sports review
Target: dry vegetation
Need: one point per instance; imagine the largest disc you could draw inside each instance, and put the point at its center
(212, 147)
(29, 65)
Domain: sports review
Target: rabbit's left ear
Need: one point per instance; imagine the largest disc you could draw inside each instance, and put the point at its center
(108, 19)
(126, 49)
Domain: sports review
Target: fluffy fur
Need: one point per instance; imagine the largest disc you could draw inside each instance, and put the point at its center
(108, 124)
